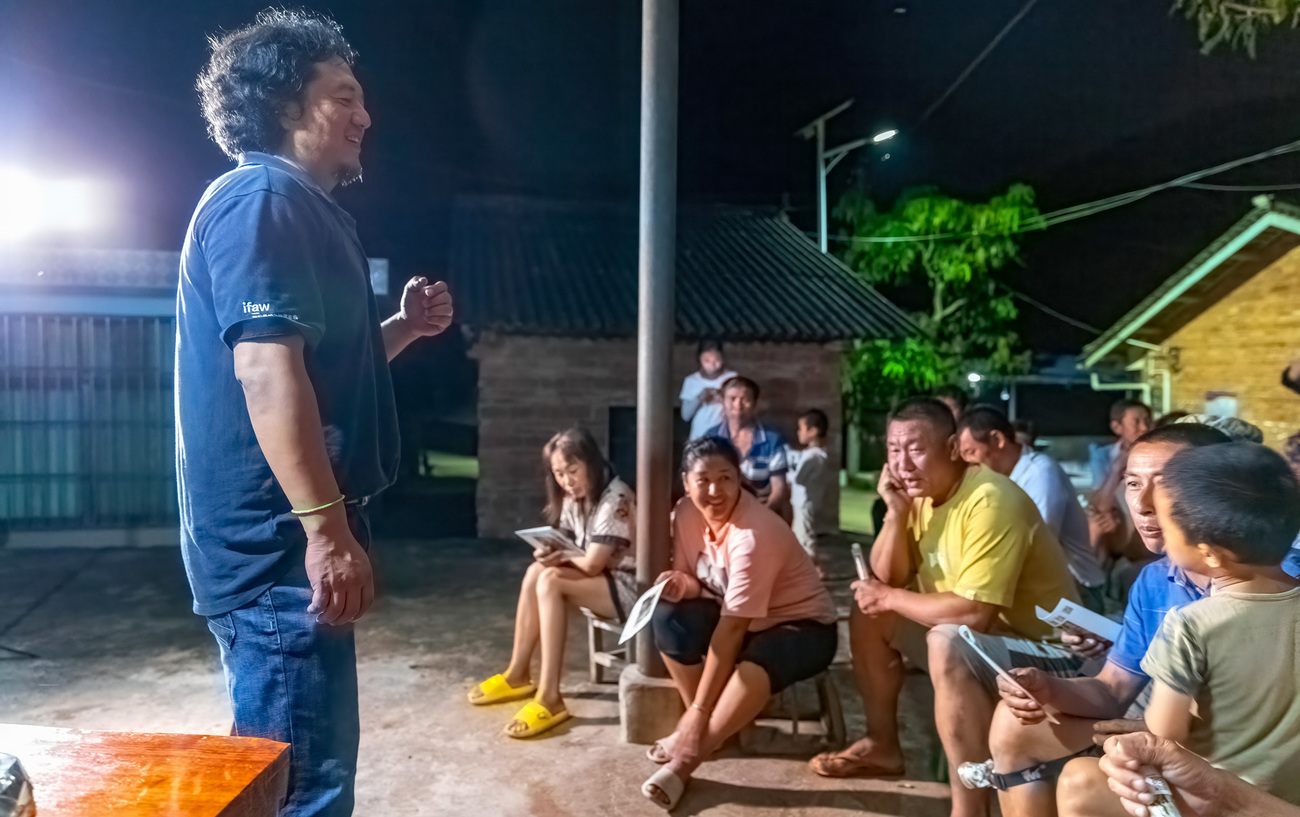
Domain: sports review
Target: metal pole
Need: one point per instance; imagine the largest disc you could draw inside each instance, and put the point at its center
(822, 170)
(658, 247)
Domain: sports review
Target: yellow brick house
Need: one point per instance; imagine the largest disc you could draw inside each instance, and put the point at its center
(1216, 335)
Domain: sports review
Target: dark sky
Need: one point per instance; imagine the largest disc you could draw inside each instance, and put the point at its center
(540, 97)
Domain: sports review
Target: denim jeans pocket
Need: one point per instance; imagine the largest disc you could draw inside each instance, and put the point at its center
(223, 627)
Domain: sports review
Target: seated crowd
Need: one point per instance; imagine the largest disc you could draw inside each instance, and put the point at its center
(1189, 529)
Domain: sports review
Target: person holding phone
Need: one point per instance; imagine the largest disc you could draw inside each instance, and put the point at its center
(597, 510)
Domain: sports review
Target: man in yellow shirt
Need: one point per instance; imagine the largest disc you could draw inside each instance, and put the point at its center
(960, 545)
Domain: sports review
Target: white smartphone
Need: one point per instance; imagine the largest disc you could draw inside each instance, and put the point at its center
(1003, 674)
(860, 562)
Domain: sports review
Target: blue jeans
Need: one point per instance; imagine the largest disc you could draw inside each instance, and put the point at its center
(293, 680)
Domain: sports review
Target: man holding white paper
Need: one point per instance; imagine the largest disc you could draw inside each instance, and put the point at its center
(980, 556)
(1091, 708)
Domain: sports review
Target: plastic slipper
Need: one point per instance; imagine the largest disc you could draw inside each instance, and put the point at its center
(537, 719)
(832, 764)
(664, 789)
(497, 690)
(657, 753)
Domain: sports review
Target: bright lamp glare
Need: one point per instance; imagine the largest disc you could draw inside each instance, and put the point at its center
(884, 136)
(30, 206)
(973, 377)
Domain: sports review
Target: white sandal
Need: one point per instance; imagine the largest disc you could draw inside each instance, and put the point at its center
(664, 789)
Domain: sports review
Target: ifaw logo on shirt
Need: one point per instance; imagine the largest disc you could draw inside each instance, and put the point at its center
(251, 308)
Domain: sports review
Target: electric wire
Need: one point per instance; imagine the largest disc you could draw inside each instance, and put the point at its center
(966, 72)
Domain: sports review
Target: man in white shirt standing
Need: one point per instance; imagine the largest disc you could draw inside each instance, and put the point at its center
(702, 391)
(811, 484)
(986, 437)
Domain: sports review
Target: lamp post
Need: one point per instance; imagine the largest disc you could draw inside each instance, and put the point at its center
(827, 159)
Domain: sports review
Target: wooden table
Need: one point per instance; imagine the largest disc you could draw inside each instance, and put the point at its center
(77, 773)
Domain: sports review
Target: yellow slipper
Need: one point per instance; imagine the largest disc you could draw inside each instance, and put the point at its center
(496, 690)
(536, 719)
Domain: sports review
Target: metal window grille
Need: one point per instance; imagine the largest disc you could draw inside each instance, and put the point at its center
(86, 422)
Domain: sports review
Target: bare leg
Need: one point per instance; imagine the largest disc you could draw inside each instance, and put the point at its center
(878, 671)
(527, 629)
(1016, 746)
(686, 677)
(1082, 791)
(742, 699)
(558, 589)
(963, 711)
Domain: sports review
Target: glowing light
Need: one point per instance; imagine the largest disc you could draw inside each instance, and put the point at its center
(30, 206)
(884, 136)
(973, 377)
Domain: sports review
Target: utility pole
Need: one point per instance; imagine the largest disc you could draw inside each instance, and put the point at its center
(649, 705)
(827, 159)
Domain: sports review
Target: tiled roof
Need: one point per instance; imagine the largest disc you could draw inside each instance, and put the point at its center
(532, 267)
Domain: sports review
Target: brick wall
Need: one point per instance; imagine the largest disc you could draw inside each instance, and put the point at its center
(1241, 344)
(531, 387)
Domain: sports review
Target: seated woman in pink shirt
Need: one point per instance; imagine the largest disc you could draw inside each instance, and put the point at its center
(743, 614)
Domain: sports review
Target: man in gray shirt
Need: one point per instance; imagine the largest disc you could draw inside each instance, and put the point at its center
(986, 437)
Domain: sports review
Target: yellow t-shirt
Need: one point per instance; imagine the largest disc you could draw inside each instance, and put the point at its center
(989, 543)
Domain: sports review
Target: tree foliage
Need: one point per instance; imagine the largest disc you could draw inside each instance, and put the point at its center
(1237, 23)
(949, 251)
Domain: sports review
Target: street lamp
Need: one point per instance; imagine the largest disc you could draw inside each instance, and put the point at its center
(827, 159)
(31, 206)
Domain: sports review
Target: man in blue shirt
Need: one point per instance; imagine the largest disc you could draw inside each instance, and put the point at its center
(1028, 753)
(285, 420)
(1020, 739)
(762, 450)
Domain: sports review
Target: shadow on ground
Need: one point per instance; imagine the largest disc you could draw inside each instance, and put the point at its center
(116, 647)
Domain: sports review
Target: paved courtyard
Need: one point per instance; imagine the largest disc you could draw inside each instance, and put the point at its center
(116, 647)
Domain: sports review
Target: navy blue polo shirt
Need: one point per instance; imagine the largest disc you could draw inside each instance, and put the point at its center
(269, 253)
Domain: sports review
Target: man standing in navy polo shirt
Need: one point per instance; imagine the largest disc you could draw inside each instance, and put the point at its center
(285, 420)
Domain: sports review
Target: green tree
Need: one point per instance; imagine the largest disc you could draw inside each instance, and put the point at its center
(947, 251)
(1237, 23)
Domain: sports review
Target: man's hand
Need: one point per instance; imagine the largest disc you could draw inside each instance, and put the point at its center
(709, 396)
(892, 492)
(1085, 647)
(1036, 683)
(676, 585)
(872, 596)
(342, 583)
(426, 308)
(1104, 730)
(1195, 783)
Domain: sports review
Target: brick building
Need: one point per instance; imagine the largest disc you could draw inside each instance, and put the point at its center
(548, 294)
(1215, 337)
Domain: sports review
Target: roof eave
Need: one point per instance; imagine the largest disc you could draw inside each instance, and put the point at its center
(1230, 243)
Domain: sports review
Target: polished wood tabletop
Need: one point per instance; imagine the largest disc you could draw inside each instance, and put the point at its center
(77, 773)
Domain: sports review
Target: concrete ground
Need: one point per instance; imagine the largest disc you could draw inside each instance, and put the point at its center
(104, 639)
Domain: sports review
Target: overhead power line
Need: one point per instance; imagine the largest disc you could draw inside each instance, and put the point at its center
(1093, 207)
(966, 72)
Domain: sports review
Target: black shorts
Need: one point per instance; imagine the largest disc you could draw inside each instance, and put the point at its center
(788, 652)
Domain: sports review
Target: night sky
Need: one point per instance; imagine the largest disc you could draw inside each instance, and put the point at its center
(540, 97)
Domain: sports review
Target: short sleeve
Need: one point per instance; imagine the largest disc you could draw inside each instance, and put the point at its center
(1136, 634)
(809, 471)
(778, 463)
(995, 544)
(614, 521)
(749, 579)
(1176, 657)
(262, 257)
(690, 388)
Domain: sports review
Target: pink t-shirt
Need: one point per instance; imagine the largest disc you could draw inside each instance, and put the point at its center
(755, 565)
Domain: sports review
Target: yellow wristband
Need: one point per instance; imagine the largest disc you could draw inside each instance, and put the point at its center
(318, 508)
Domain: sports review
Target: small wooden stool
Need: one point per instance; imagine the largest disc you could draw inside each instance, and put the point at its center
(600, 656)
(829, 711)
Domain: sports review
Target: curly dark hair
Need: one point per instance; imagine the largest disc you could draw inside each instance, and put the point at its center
(255, 70)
